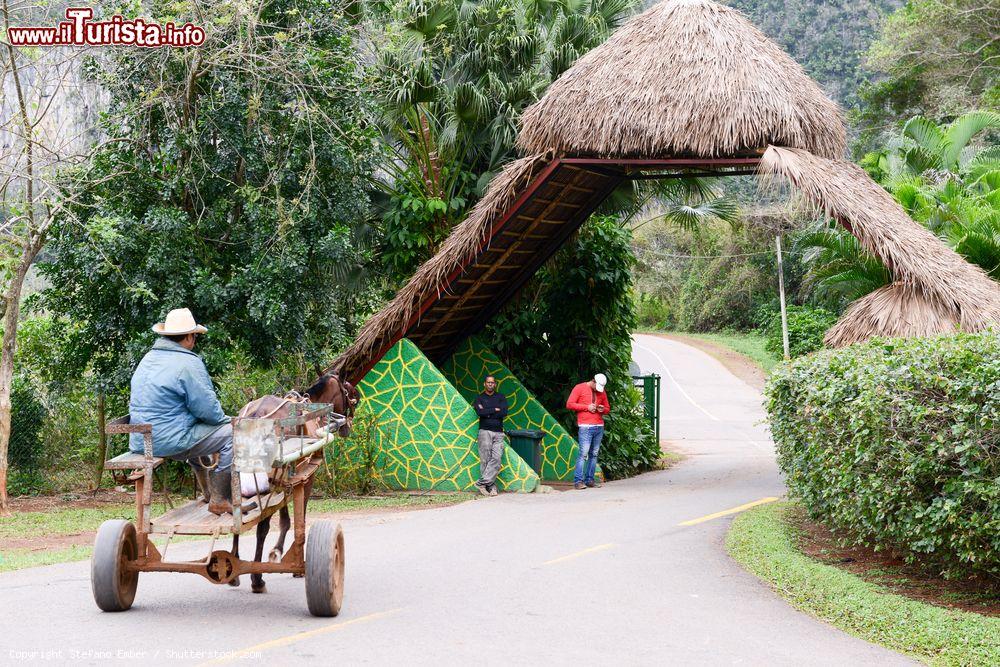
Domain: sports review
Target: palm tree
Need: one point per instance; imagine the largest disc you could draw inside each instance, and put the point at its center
(453, 77)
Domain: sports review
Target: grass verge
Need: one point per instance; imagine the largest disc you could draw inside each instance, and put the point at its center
(749, 344)
(54, 529)
(764, 543)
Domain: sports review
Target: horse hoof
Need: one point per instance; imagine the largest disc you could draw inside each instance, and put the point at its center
(254, 588)
(274, 556)
(235, 583)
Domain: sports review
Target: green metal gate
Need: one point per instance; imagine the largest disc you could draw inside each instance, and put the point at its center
(649, 386)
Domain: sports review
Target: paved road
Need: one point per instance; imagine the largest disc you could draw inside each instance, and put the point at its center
(580, 577)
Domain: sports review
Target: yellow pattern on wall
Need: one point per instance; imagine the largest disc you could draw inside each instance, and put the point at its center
(427, 429)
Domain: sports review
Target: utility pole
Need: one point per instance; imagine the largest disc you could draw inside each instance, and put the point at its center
(781, 294)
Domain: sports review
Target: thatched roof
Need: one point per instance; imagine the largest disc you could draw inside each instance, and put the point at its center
(464, 242)
(935, 289)
(685, 77)
(892, 311)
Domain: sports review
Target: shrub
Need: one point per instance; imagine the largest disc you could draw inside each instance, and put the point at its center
(654, 312)
(806, 327)
(897, 443)
(354, 465)
(24, 454)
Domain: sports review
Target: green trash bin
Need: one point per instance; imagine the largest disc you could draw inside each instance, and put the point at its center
(528, 445)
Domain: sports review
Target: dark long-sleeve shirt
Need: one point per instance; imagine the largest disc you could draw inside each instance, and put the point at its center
(491, 411)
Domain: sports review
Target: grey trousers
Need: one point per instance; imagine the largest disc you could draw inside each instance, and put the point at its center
(490, 453)
(221, 441)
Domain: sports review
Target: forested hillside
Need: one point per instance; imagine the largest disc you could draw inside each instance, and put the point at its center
(829, 38)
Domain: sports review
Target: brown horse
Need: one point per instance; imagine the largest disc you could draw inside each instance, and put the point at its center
(343, 398)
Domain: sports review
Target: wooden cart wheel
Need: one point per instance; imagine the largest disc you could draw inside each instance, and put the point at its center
(325, 568)
(112, 582)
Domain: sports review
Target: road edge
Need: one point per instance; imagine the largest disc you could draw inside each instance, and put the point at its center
(762, 542)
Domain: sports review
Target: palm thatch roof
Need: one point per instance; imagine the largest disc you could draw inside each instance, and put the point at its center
(464, 242)
(935, 289)
(685, 77)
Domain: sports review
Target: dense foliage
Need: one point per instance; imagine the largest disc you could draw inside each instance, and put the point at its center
(897, 443)
(574, 320)
(828, 39)
(233, 183)
(938, 58)
(806, 327)
(452, 78)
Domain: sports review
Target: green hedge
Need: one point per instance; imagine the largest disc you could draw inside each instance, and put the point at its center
(806, 327)
(897, 443)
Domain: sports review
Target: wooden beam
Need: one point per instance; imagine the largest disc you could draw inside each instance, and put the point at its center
(540, 219)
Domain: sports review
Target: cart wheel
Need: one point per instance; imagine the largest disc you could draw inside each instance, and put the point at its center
(113, 584)
(325, 568)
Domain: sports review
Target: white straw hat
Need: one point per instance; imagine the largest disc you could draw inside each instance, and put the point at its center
(600, 380)
(179, 321)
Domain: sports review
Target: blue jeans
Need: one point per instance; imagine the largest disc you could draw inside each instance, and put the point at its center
(220, 441)
(590, 444)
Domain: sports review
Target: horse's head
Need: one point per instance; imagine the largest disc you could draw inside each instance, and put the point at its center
(341, 394)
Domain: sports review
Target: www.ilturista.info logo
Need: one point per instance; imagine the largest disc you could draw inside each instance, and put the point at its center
(79, 30)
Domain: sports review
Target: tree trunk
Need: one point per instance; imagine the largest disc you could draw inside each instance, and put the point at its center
(13, 298)
(102, 442)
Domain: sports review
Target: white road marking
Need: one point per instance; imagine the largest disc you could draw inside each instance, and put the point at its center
(676, 384)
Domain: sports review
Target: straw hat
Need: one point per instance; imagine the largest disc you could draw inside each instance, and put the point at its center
(179, 321)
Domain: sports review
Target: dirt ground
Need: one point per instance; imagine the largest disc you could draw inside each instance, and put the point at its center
(736, 363)
(889, 571)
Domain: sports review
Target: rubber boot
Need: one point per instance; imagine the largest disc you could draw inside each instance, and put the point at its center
(222, 492)
(201, 481)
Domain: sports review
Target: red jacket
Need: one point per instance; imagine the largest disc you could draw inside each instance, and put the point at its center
(580, 399)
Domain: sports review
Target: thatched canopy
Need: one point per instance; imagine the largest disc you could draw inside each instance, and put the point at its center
(935, 289)
(688, 84)
(685, 77)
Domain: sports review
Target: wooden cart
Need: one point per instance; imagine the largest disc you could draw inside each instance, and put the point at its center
(122, 549)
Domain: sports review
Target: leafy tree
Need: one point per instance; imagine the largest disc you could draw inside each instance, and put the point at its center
(938, 58)
(235, 183)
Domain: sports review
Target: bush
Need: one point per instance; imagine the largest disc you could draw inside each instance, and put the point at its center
(27, 414)
(897, 443)
(806, 327)
(653, 312)
(354, 465)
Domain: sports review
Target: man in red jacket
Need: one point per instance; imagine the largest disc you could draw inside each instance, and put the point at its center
(590, 404)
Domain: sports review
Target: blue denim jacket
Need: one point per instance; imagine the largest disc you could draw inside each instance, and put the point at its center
(172, 391)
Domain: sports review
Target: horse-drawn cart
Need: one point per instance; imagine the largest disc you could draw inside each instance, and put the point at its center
(279, 454)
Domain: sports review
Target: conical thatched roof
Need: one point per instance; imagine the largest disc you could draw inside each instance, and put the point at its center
(685, 77)
(936, 290)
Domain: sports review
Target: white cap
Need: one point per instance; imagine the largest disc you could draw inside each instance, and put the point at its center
(600, 380)
(179, 321)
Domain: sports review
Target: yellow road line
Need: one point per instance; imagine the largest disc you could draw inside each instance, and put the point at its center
(299, 636)
(599, 547)
(734, 510)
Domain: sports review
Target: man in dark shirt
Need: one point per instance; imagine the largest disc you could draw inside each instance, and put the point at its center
(491, 406)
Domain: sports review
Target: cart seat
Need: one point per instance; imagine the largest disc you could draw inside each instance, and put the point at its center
(130, 461)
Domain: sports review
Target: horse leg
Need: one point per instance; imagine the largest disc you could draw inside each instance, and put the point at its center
(284, 523)
(257, 580)
(235, 581)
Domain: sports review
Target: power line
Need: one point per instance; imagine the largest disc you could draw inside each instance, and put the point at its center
(746, 254)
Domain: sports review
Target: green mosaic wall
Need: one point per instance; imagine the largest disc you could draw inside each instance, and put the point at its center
(428, 430)
(467, 369)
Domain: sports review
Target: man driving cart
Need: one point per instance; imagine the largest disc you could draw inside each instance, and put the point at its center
(172, 391)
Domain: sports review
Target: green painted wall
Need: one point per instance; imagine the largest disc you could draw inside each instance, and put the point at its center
(467, 369)
(427, 429)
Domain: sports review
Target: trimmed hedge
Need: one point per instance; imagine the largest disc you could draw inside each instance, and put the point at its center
(897, 443)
